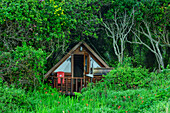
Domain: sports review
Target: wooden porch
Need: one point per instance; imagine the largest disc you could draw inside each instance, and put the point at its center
(69, 85)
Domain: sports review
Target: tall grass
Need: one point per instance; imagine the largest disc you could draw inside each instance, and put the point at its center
(96, 98)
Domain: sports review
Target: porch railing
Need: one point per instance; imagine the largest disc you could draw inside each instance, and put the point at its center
(71, 84)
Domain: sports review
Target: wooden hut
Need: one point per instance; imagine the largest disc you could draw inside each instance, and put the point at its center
(76, 69)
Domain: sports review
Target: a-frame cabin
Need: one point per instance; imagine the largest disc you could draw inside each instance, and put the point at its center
(78, 67)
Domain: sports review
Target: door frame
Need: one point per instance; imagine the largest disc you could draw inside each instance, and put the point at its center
(88, 63)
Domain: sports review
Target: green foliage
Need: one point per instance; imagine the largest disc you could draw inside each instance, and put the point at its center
(46, 23)
(78, 94)
(152, 10)
(127, 77)
(155, 11)
(11, 98)
(160, 79)
(25, 65)
(111, 97)
(138, 100)
(52, 25)
(34, 21)
(96, 98)
(48, 26)
(14, 99)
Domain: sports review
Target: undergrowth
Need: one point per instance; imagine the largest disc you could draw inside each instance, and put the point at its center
(102, 97)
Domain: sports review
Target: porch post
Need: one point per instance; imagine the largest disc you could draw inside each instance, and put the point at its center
(72, 72)
(72, 65)
(84, 67)
(52, 82)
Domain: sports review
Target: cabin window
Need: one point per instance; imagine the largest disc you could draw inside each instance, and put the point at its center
(93, 63)
(65, 66)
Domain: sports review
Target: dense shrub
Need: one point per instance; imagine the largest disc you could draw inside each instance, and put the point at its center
(14, 99)
(160, 80)
(11, 98)
(24, 65)
(115, 96)
(127, 77)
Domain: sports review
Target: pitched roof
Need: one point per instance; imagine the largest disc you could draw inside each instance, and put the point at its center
(70, 52)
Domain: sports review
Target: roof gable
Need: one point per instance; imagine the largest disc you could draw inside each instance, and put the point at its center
(70, 53)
